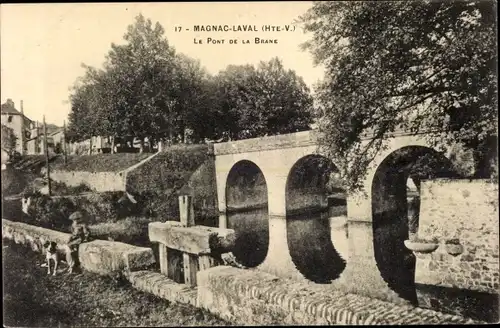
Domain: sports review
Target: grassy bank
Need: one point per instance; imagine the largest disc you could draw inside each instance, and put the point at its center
(33, 299)
(98, 162)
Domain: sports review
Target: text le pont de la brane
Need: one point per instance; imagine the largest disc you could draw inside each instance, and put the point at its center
(243, 28)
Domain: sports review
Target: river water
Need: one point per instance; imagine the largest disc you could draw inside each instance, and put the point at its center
(317, 243)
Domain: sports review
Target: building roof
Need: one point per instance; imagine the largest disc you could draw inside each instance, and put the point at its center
(9, 108)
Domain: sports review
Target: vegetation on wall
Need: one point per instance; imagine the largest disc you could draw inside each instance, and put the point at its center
(9, 140)
(157, 183)
(53, 212)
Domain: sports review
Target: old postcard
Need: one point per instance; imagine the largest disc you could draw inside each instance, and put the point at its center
(249, 163)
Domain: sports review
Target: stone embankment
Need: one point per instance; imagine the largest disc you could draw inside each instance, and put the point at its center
(251, 297)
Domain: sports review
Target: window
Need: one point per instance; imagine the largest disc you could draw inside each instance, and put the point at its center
(9, 119)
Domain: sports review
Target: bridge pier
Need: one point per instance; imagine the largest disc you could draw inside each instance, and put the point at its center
(362, 275)
(278, 260)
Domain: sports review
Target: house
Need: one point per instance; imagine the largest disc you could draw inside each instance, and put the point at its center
(18, 122)
(55, 140)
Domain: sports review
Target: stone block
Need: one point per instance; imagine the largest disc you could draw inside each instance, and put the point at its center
(161, 286)
(138, 258)
(104, 257)
(197, 240)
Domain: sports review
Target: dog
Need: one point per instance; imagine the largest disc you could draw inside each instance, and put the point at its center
(51, 254)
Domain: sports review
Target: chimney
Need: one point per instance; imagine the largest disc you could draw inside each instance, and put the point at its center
(22, 109)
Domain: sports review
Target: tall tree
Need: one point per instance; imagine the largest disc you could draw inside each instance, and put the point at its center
(141, 80)
(417, 65)
(132, 95)
(261, 101)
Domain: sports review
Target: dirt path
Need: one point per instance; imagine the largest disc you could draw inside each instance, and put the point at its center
(34, 299)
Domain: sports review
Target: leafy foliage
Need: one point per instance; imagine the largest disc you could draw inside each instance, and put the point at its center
(53, 212)
(266, 100)
(420, 66)
(156, 183)
(146, 89)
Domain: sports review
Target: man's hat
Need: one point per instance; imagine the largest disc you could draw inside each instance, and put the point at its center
(76, 216)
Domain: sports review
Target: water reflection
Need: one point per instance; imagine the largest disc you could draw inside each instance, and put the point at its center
(311, 238)
(395, 262)
(252, 235)
(312, 248)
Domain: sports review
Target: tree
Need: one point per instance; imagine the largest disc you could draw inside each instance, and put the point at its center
(132, 95)
(422, 66)
(267, 100)
(9, 140)
(142, 81)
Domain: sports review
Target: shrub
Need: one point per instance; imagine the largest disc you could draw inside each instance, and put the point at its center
(13, 181)
(53, 212)
(11, 209)
(60, 188)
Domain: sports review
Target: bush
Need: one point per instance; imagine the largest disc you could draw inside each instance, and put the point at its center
(53, 212)
(60, 188)
(50, 213)
(11, 209)
(13, 182)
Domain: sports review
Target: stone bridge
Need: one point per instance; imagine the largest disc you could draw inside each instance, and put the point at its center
(282, 174)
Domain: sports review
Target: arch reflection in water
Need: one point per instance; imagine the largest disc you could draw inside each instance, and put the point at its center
(311, 219)
(312, 249)
(252, 235)
(247, 214)
(391, 226)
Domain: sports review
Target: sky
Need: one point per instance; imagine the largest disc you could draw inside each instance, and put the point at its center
(44, 45)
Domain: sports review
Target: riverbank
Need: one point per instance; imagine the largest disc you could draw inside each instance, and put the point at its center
(34, 299)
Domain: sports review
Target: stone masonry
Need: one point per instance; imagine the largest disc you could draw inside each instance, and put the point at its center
(468, 211)
(252, 297)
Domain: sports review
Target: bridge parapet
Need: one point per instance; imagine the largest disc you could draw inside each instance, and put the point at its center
(290, 140)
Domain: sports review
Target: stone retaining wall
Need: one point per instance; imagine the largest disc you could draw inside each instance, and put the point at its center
(251, 297)
(34, 236)
(98, 181)
(468, 211)
(465, 281)
(99, 256)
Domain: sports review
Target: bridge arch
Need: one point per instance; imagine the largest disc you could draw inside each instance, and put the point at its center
(395, 214)
(315, 222)
(247, 212)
